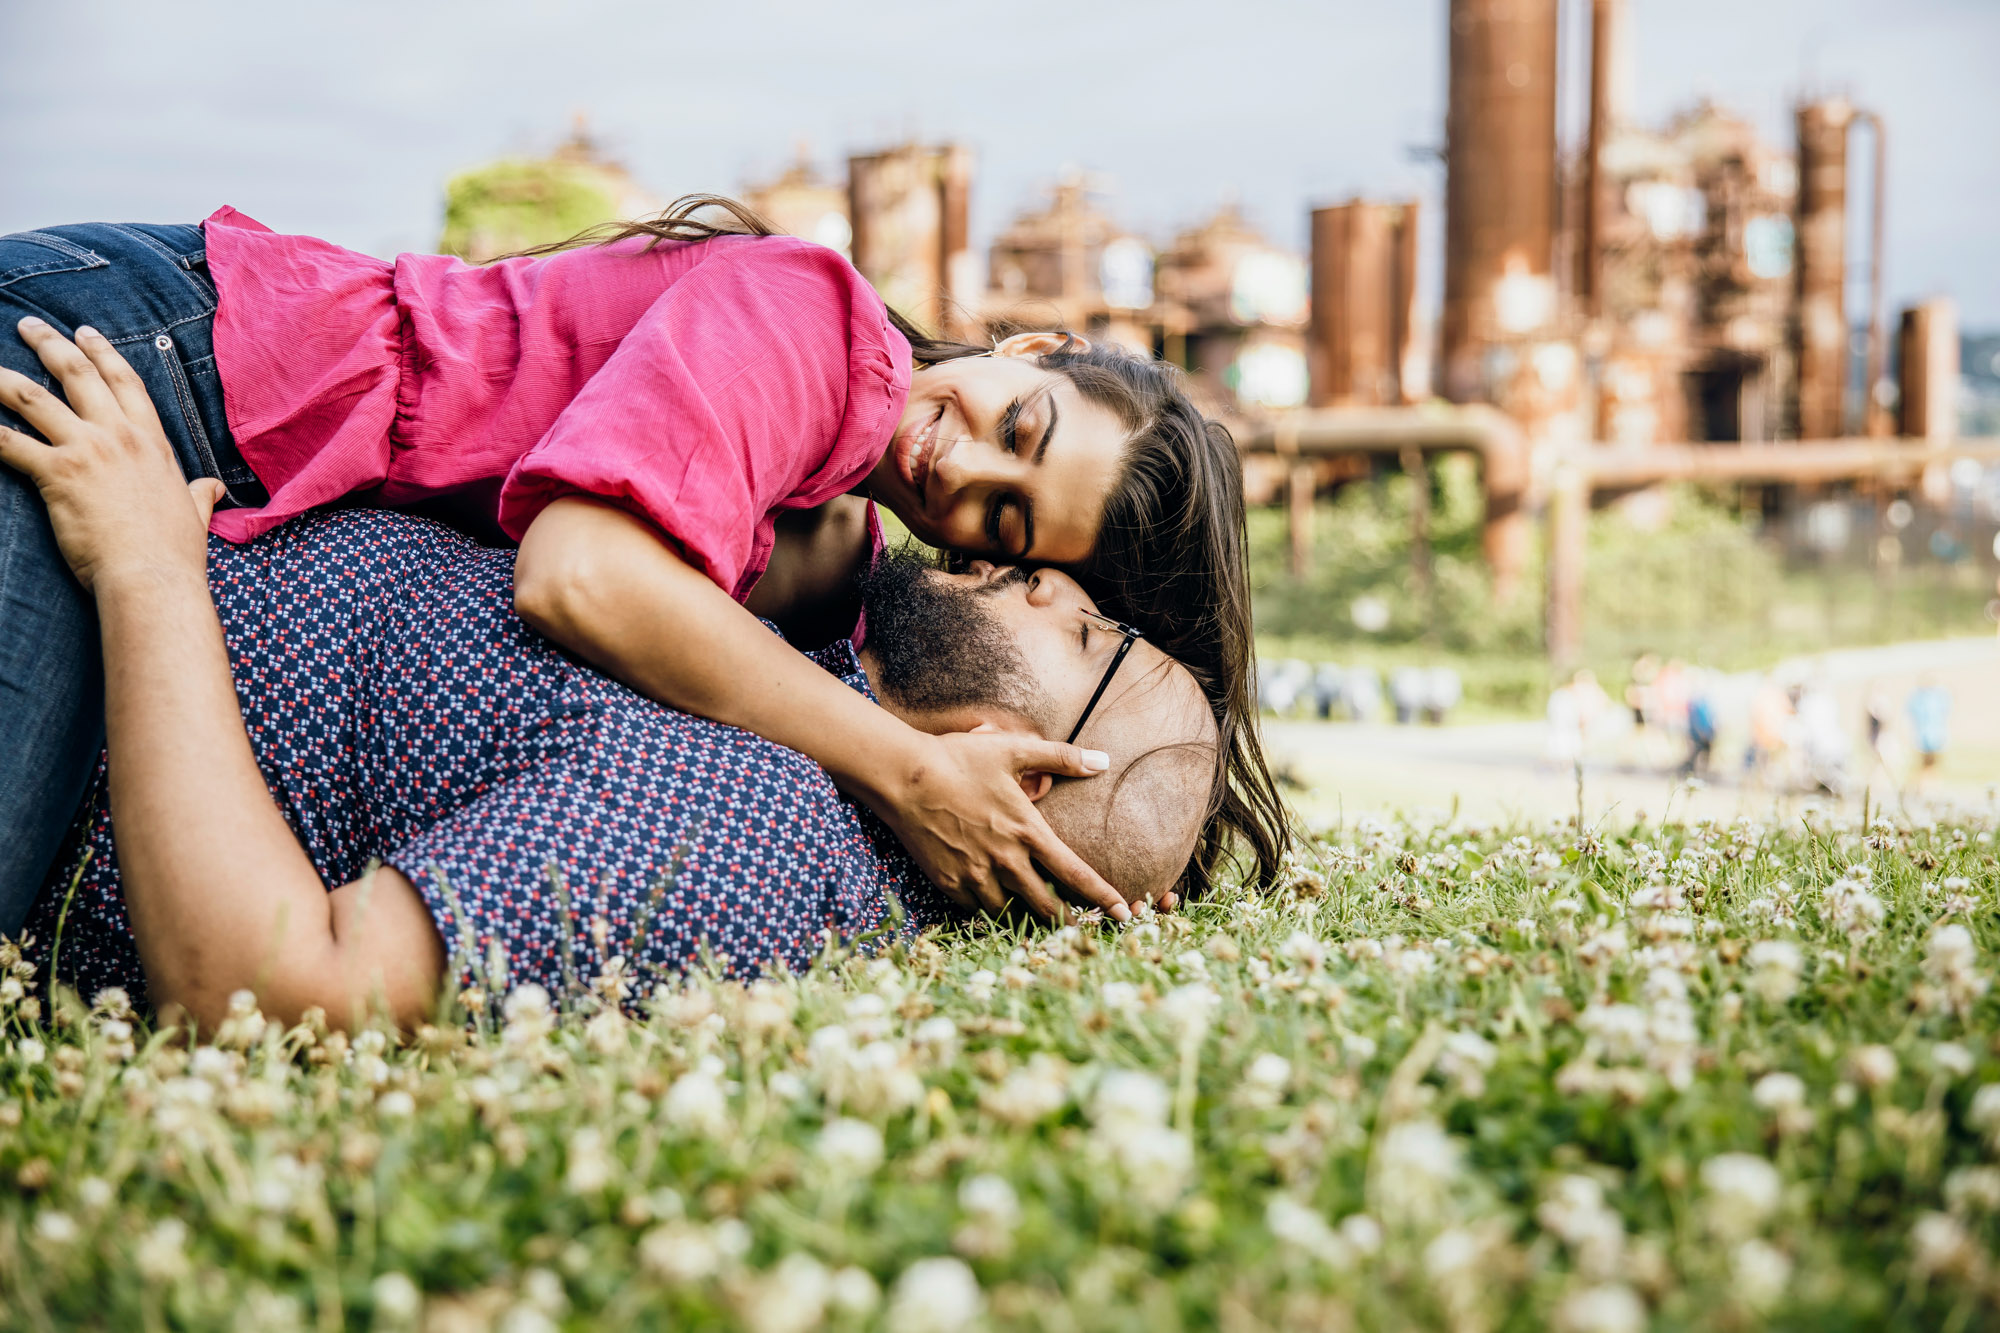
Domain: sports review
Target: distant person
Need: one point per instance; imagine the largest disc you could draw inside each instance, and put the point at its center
(1442, 691)
(1407, 689)
(1929, 708)
(1823, 742)
(1574, 710)
(1771, 719)
(1701, 728)
(682, 421)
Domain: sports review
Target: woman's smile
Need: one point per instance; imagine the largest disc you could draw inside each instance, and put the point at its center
(914, 455)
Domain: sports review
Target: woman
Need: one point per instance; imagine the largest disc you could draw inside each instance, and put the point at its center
(638, 413)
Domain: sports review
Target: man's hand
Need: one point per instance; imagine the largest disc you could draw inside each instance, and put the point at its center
(115, 494)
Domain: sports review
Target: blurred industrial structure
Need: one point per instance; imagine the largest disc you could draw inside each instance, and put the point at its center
(1674, 288)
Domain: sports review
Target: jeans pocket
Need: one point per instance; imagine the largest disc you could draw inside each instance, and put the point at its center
(170, 358)
(32, 254)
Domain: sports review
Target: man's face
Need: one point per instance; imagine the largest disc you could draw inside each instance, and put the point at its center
(996, 635)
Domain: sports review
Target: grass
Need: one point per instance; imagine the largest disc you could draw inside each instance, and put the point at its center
(1704, 585)
(1679, 1077)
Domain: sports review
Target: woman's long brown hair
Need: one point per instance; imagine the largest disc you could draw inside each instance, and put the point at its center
(1171, 554)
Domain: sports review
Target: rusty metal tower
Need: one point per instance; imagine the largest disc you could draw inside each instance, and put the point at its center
(1500, 185)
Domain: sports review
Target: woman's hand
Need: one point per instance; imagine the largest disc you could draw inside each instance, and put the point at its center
(981, 860)
(115, 493)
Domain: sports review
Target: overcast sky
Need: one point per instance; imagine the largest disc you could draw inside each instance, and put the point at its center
(343, 119)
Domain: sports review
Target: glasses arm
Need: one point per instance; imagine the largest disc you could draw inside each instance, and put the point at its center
(1102, 685)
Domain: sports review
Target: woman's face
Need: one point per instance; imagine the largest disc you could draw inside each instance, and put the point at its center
(997, 456)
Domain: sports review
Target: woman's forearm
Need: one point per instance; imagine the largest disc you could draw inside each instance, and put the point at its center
(220, 893)
(603, 585)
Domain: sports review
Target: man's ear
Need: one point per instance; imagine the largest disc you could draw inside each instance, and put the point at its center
(1038, 344)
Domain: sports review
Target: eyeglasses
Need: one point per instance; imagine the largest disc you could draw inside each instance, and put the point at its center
(1132, 635)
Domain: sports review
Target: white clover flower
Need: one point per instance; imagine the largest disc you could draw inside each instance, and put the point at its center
(992, 1214)
(1158, 1162)
(1851, 909)
(1743, 1190)
(1984, 1112)
(1617, 1031)
(790, 1298)
(1304, 951)
(1190, 963)
(30, 1051)
(1362, 1233)
(398, 1300)
(1303, 1228)
(1265, 1079)
(937, 1295)
(1030, 1094)
(1779, 1092)
(591, 1167)
(523, 1318)
(53, 1227)
(396, 1104)
(1609, 1307)
(1973, 1189)
(1872, 1066)
(680, 1252)
(938, 1035)
(787, 1086)
(1189, 1008)
(1128, 1099)
(698, 1105)
(1415, 1164)
(1760, 1272)
(528, 1015)
(1775, 968)
(879, 1081)
(1939, 1244)
(161, 1254)
(1952, 1059)
(980, 985)
(544, 1291)
(850, 1147)
(1451, 1254)
(1464, 1059)
(1118, 996)
(853, 1292)
(94, 1192)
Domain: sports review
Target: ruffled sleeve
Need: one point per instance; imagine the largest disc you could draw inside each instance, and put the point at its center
(769, 377)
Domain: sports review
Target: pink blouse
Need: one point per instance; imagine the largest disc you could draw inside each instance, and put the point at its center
(704, 386)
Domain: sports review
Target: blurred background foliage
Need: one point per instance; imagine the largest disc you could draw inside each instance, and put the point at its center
(1703, 581)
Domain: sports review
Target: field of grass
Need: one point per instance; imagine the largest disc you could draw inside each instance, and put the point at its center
(1452, 1077)
(1703, 585)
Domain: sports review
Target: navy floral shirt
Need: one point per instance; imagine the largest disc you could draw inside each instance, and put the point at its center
(402, 713)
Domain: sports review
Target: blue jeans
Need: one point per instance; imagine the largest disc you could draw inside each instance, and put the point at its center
(147, 289)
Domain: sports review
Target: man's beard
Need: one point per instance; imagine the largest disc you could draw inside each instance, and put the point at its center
(937, 645)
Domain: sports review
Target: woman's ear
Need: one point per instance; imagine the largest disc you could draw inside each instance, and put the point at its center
(1038, 344)
(1036, 785)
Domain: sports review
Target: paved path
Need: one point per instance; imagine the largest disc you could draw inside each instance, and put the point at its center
(1498, 771)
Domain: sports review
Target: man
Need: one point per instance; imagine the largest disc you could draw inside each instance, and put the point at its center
(388, 706)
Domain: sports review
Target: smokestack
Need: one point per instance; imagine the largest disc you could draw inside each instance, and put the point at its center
(1363, 304)
(1500, 182)
(1819, 327)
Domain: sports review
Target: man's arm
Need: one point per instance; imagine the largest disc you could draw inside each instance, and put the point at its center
(220, 893)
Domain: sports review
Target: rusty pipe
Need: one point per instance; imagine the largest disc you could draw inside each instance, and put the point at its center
(1504, 460)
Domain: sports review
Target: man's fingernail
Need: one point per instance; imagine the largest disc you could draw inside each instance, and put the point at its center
(30, 322)
(1096, 760)
(85, 331)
